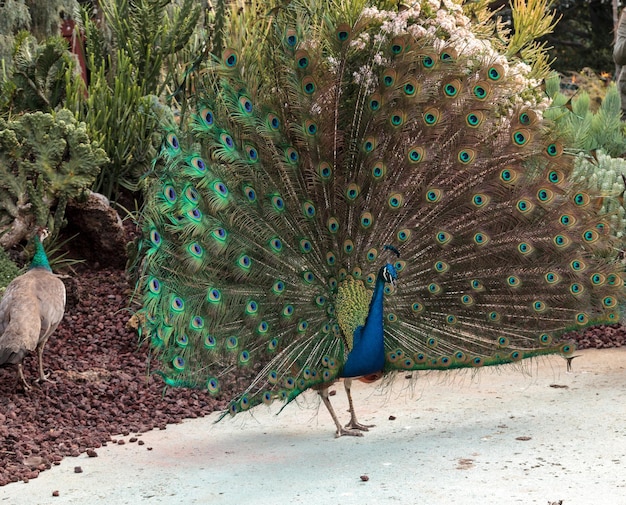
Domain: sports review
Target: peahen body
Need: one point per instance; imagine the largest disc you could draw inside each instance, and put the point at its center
(365, 195)
(32, 307)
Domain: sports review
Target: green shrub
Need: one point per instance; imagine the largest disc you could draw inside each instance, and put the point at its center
(35, 79)
(45, 159)
(8, 270)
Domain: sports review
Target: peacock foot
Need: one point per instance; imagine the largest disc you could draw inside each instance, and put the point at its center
(344, 432)
(355, 425)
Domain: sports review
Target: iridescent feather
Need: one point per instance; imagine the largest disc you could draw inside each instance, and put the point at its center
(264, 246)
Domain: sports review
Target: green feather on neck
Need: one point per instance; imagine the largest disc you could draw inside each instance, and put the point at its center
(352, 306)
(40, 259)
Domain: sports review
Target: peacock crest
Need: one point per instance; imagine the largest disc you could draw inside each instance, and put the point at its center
(263, 225)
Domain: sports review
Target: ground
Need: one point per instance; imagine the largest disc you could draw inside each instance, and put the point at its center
(101, 387)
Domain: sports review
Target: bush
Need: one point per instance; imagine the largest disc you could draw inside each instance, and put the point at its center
(45, 159)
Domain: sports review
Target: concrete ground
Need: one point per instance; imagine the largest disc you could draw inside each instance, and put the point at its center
(503, 436)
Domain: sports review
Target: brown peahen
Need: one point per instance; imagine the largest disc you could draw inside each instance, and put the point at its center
(32, 307)
(367, 193)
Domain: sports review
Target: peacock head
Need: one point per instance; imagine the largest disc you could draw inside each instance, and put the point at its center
(388, 274)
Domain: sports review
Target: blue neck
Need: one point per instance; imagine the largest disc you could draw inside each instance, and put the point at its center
(368, 350)
(373, 329)
(40, 260)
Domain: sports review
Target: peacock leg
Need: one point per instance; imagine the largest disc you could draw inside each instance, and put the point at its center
(354, 424)
(20, 374)
(341, 431)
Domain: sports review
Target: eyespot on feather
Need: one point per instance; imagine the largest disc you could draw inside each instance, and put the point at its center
(302, 59)
(230, 57)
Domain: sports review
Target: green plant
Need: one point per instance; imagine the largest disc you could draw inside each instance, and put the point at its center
(149, 32)
(36, 80)
(123, 120)
(120, 105)
(45, 159)
(8, 270)
(585, 129)
(595, 134)
(606, 175)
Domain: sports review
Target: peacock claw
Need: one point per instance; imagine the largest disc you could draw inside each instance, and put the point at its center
(355, 425)
(352, 433)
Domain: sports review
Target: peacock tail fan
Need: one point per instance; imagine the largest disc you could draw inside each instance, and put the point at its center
(264, 232)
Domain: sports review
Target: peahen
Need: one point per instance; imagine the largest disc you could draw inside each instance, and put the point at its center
(32, 307)
(363, 196)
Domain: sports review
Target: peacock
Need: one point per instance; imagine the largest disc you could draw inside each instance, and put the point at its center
(32, 307)
(364, 193)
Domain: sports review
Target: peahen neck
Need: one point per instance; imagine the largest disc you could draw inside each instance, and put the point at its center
(40, 259)
(368, 351)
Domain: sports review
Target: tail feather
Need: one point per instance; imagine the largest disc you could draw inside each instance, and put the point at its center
(362, 134)
(10, 357)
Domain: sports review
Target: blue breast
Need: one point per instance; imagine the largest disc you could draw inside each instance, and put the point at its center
(368, 346)
(365, 358)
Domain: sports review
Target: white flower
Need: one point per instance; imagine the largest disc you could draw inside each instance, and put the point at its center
(417, 31)
(379, 59)
(375, 14)
(366, 78)
(333, 64)
(361, 42)
(435, 4)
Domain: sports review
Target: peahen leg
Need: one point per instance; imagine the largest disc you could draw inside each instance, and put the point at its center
(354, 424)
(20, 374)
(42, 376)
(341, 431)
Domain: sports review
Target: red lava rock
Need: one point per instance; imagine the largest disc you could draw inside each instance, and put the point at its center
(140, 442)
(55, 493)
(101, 386)
(91, 453)
(364, 478)
(78, 469)
(392, 418)
(32, 475)
(121, 442)
(132, 439)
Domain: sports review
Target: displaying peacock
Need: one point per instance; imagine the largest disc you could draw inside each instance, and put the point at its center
(368, 194)
(31, 308)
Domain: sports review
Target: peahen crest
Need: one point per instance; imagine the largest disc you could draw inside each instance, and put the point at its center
(264, 230)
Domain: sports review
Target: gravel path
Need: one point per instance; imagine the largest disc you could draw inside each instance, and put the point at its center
(101, 388)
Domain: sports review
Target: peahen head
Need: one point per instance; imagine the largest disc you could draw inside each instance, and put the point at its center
(388, 274)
